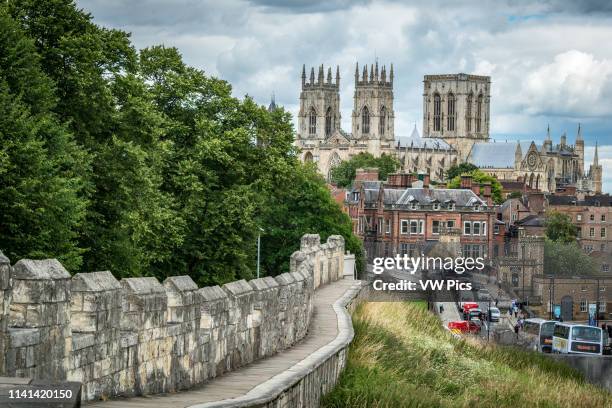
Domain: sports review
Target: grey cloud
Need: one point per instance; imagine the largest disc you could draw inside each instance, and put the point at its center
(308, 6)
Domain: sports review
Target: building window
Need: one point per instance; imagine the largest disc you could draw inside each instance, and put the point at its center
(404, 226)
(451, 206)
(602, 233)
(479, 114)
(437, 112)
(436, 206)
(365, 120)
(450, 223)
(435, 227)
(484, 228)
(382, 120)
(388, 226)
(312, 120)
(468, 113)
(414, 205)
(592, 217)
(591, 232)
(450, 125)
(605, 267)
(496, 229)
(603, 217)
(414, 227)
(579, 232)
(476, 228)
(583, 306)
(602, 306)
(328, 122)
(467, 228)
(380, 225)
(579, 217)
(404, 248)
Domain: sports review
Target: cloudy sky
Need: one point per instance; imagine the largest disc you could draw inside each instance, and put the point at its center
(550, 61)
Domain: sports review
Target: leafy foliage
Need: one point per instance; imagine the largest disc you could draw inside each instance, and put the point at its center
(559, 227)
(344, 174)
(459, 169)
(567, 259)
(135, 162)
(480, 177)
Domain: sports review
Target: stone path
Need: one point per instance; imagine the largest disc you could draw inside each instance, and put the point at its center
(323, 329)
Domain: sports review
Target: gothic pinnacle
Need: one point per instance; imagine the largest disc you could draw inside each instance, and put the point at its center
(312, 76)
(337, 75)
(356, 72)
(329, 75)
(371, 73)
(303, 74)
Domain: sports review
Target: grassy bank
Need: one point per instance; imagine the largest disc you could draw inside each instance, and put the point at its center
(402, 357)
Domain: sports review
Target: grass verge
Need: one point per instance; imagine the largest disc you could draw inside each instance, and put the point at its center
(402, 357)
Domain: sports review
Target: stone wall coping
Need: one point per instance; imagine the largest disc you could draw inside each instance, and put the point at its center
(142, 286)
(259, 284)
(39, 269)
(94, 282)
(236, 288)
(210, 293)
(182, 283)
(275, 386)
(285, 279)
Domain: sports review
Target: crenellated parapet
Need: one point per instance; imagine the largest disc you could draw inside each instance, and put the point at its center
(138, 336)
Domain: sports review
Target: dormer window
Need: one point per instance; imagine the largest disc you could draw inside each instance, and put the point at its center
(414, 205)
(451, 206)
(436, 206)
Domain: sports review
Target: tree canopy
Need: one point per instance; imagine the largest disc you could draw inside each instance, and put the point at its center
(459, 169)
(132, 161)
(567, 259)
(343, 174)
(480, 177)
(559, 227)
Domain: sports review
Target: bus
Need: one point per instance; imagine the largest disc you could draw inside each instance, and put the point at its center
(574, 338)
(539, 333)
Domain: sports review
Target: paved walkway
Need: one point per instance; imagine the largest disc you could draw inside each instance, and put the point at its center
(323, 329)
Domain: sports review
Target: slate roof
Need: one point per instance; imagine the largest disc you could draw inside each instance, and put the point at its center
(531, 221)
(497, 155)
(415, 140)
(425, 196)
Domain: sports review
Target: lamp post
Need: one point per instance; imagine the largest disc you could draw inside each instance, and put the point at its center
(259, 248)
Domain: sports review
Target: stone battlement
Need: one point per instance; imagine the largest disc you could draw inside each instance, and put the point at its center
(140, 336)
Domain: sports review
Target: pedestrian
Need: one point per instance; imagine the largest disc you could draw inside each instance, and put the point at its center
(516, 329)
(441, 309)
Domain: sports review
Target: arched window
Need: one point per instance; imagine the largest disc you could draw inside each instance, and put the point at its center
(328, 122)
(479, 114)
(365, 120)
(312, 122)
(382, 121)
(450, 111)
(308, 157)
(468, 113)
(437, 112)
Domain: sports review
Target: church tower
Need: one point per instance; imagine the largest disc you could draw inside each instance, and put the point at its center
(596, 172)
(456, 108)
(319, 115)
(373, 115)
(579, 151)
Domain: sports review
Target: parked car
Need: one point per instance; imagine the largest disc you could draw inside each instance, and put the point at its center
(494, 314)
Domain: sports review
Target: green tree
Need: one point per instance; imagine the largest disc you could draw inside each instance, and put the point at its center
(459, 169)
(344, 174)
(566, 259)
(41, 205)
(480, 177)
(559, 227)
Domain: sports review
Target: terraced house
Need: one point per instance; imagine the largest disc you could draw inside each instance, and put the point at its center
(405, 216)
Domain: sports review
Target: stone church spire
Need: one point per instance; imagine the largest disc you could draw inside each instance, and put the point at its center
(596, 157)
(303, 75)
(338, 75)
(579, 134)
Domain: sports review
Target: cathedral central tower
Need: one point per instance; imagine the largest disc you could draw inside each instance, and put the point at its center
(456, 108)
(319, 115)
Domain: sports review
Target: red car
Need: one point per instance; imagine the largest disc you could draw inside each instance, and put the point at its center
(464, 327)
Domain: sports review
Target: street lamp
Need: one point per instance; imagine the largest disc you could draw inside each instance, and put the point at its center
(259, 248)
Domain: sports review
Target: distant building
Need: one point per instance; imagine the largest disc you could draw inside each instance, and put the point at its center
(456, 124)
(406, 216)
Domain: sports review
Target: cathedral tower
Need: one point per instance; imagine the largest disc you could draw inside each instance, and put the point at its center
(596, 172)
(319, 115)
(456, 108)
(373, 115)
(579, 151)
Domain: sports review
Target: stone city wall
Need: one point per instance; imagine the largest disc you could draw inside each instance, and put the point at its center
(138, 336)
